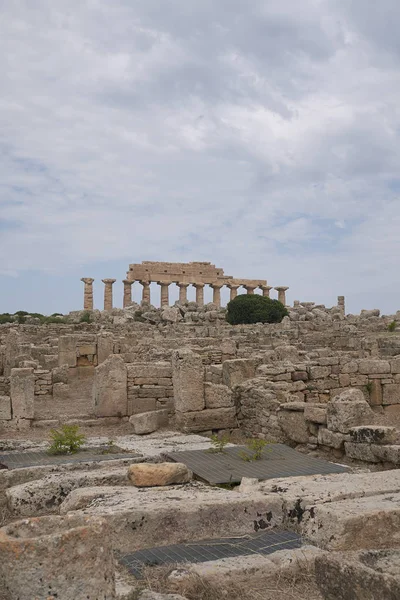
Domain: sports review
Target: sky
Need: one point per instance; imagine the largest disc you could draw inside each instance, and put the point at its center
(262, 136)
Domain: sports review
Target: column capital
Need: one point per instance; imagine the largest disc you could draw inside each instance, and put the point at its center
(199, 285)
(250, 288)
(87, 280)
(281, 288)
(217, 286)
(267, 288)
(109, 281)
(127, 282)
(233, 286)
(182, 285)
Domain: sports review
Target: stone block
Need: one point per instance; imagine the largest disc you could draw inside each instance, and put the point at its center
(60, 374)
(105, 346)
(331, 439)
(148, 422)
(295, 406)
(110, 388)
(368, 366)
(360, 452)
(389, 453)
(150, 370)
(368, 575)
(319, 372)
(391, 394)
(5, 408)
(395, 365)
(87, 350)
(350, 367)
(373, 434)
(217, 396)
(349, 409)
(237, 371)
(22, 393)
(294, 425)
(67, 350)
(188, 381)
(344, 379)
(208, 419)
(299, 376)
(392, 410)
(376, 393)
(158, 474)
(315, 414)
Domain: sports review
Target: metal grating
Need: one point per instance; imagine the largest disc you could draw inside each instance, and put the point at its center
(263, 543)
(277, 460)
(18, 460)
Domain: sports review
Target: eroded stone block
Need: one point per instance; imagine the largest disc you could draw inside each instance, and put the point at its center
(110, 388)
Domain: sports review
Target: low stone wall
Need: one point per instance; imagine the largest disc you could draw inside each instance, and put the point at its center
(150, 387)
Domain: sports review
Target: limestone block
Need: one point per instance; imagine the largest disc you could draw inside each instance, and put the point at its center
(350, 367)
(229, 348)
(360, 452)
(22, 392)
(148, 422)
(5, 408)
(67, 557)
(331, 439)
(110, 388)
(287, 353)
(369, 366)
(295, 406)
(392, 410)
(363, 576)
(171, 314)
(105, 346)
(376, 393)
(158, 474)
(206, 420)
(86, 350)
(236, 371)
(294, 425)
(188, 381)
(389, 453)
(67, 350)
(391, 394)
(150, 595)
(150, 370)
(299, 376)
(373, 434)
(344, 379)
(315, 413)
(217, 396)
(349, 409)
(60, 374)
(319, 372)
(395, 365)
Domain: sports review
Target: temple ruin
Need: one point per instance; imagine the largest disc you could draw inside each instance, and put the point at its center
(197, 274)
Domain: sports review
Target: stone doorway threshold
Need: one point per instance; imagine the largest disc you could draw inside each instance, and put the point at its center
(277, 461)
(262, 543)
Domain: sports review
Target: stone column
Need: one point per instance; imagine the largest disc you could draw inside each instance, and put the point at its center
(164, 293)
(250, 289)
(88, 293)
(146, 292)
(234, 289)
(199, 293)
(183, 292)
(282, 294)
(108, 295)
(127, 292)
(216, 293)
(266, 290)
(341, 304)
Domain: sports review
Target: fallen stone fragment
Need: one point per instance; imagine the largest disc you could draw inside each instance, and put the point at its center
(158, 474)
(148, 422)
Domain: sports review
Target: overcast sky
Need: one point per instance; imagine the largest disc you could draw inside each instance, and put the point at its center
(262, 136)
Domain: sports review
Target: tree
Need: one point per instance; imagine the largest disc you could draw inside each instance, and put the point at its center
(253, 308)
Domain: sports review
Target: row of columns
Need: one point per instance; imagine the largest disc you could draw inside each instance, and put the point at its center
(216, 287)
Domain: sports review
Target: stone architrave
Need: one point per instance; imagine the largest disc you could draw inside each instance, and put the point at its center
(127, 301)
(110, 388)
(88, 293)
(188, 381)
(199, 293)
(282, 294)
(22, 392)
(216, 294)
(108, 294)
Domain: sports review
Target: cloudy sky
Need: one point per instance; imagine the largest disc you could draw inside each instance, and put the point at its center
(262, 136)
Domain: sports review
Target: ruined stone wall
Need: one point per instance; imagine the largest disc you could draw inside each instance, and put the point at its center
(150, 387)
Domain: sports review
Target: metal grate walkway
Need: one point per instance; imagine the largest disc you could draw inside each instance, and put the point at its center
(18, 460)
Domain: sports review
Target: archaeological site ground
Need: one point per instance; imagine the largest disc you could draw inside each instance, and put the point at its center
(152, 453)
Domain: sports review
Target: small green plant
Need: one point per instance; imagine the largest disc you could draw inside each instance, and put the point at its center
(256, 447)
(368, 387)
(218, 443)
(86, 317)
(392, 326)
(66, 440)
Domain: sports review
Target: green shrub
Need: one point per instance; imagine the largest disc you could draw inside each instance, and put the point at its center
(86, 317)
(6, 318)
(253, 308)
(55, 320)
(218, 443)
(392, 326)
(256, 447)
(68, 440)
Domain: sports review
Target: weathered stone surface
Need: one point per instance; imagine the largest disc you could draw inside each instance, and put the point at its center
(105, 344)
(188, 381)
(171, 314)
(369, 366)
(315, 413)
(299, 376)
(22, 391)
(150, 595)
(389, 453)
(348, 409)
(294, 406)
(5, 408)
(376, 393)
(67, 350)
(158, 474)
(363, 576)
(60, 374)
(391, 394)
(319, 372)
(236, 371)
(373, 434)
(66, 557)
(110, 388)
(360, 452)
(205, 420)
(331, 439)
(148, 422)
(294, 425)
(217, 396)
